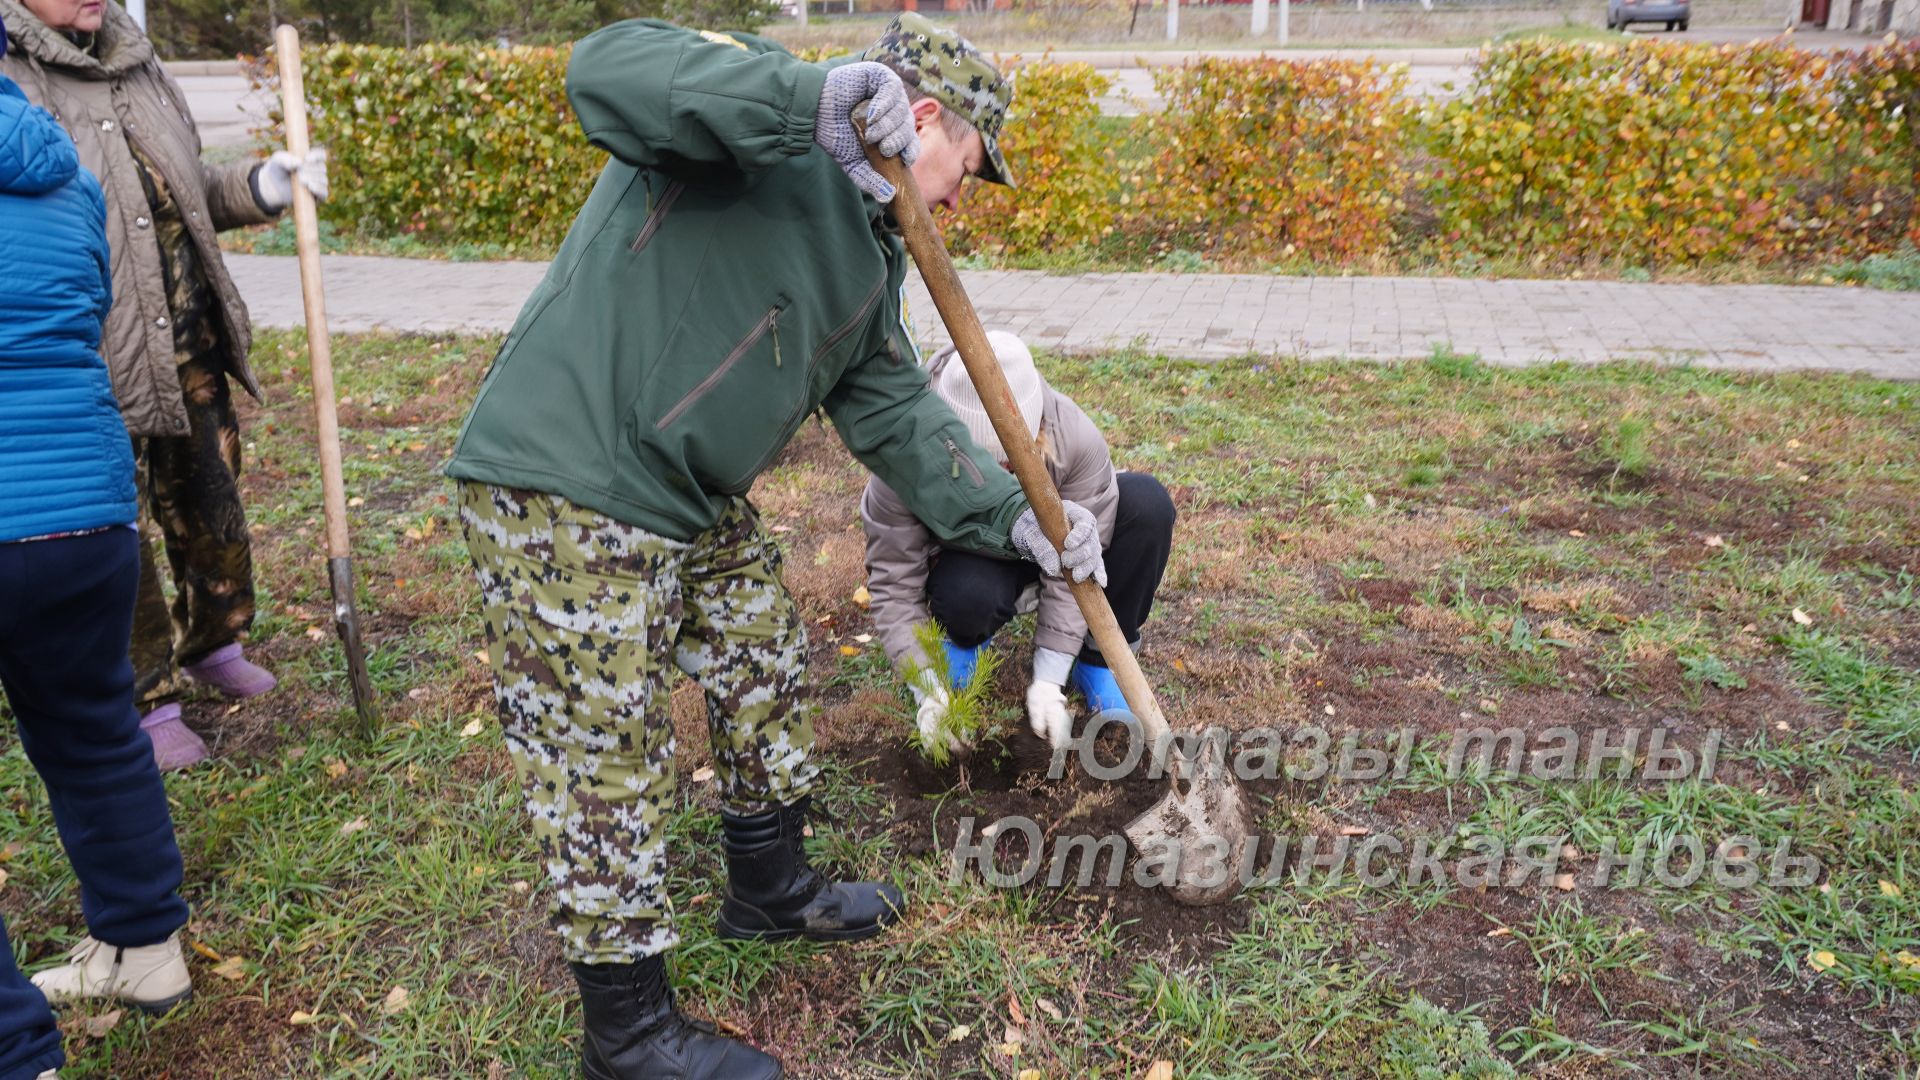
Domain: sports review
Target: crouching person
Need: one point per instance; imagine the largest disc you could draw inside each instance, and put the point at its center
(914, 577)
(69, 567)
(733, 270)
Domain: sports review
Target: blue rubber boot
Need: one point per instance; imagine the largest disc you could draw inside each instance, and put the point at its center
(961, 662)
(1097, 685)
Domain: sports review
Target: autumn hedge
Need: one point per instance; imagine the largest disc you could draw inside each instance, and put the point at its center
(1652, 152)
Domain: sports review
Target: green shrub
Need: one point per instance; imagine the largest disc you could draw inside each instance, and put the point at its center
(1674, 153)
(1271, 157)
(451, 143)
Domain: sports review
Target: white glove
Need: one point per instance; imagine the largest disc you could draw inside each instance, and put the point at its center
(1047, 712)
(889, 122)
(1081, 556)
(932, 710)
(275, 176)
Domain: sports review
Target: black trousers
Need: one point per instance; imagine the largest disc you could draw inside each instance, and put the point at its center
(66, 610)
(972, 596)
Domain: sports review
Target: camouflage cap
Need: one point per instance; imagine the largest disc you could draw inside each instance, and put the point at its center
(947, 68)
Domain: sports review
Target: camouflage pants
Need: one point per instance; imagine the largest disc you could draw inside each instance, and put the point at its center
(585, 619)
(188, 489)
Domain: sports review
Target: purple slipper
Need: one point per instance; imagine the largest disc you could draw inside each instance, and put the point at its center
(175, 746)
(227, 671)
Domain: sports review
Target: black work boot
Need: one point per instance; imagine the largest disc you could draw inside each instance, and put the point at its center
(633, 1032)
(772, 893)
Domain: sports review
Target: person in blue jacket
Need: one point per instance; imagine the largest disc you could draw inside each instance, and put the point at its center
(69, 567)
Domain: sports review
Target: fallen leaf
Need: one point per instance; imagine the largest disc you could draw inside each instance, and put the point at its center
(1575, 532)
(1568, 851)
(959, 1034)
(1161, 1070)
(301, 1016)
(1716, 541)
(413, 534)
(863, 638)
(395, 1001)
(522, 887)
(1793, 444)
(98, 1026)
(849, 650)
(1014, 1010)
(701, 899)
(1048, 1007)
(703, 774)
(1821, 960)
(205, 951)
(314, 633)
(1907, 959)
(3, 879)
(1354, 830)
(1329, 709)
(480, 655)
(418, 693)
(1030, 1074)
(233, 967)
(472, 728)
(356, 825)
(1500, 931)
(1888, 888)
(1563, 881)
(1802, 617)
(1371, 503)
(862, 597)
(336, 768)
(356, 501)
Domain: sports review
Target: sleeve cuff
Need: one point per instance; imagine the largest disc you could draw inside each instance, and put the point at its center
(1050, 666)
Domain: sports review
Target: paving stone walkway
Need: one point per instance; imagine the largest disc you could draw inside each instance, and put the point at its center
(1217, 316)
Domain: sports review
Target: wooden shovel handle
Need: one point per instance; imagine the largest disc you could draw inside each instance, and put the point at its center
(929, 252)
(306, 232)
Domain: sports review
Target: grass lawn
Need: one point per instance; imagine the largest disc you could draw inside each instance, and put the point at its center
(1432, 545)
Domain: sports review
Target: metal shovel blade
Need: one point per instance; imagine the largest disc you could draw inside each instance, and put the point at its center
(1202, 830)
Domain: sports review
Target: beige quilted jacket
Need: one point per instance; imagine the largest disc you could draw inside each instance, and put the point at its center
(103, 101)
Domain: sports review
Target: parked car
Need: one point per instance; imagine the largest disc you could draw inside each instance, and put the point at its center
(1624, 13)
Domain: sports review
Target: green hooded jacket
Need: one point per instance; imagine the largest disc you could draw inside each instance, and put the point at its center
(723, 281)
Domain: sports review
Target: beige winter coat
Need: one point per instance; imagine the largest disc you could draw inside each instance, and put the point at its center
(900, 550)
(102, 102)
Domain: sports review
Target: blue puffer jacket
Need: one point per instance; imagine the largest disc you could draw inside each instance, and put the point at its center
(65, 461)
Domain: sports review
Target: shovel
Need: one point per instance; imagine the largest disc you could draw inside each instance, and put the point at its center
(1203, 822)
(326, 420)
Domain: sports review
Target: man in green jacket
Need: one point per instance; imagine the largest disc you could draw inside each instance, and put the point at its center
(733, 270)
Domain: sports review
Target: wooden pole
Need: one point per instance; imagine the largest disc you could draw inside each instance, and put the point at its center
(326, 418)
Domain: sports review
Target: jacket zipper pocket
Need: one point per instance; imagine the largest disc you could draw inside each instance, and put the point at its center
(961, 460)
(858, 320)
(693, 396)
(655, 216)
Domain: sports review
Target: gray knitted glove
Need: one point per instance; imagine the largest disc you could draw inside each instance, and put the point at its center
(1081, 559)
(889, 122)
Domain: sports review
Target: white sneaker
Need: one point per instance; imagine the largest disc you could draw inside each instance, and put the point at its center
(151, 978)
(48, 1075)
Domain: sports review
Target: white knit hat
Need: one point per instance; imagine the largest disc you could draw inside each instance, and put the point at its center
(1029, 391)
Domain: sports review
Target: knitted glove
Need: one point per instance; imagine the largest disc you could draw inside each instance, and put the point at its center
(273, 180)
(1047, 712)
(889, 123)
(1081, 556)
(931, 709)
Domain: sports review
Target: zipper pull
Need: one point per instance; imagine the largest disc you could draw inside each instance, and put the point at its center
(773, 320)
(953, 448)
